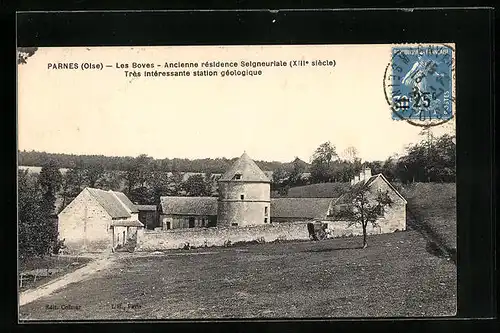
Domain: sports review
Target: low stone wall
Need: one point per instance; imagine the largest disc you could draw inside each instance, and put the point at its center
(218, 236)
(343, 229)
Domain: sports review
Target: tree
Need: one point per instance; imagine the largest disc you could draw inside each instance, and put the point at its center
(29, 199)
(140, 195)
(158, 184)
(280, 176)
(176, 186)
(298, 168)
(210, 183)
(362, 207)
(49, 181)
(321, 164)
(138, 171)
(93, 173)
(350, 154)
(23, 53)
(73, 182)
(195, 186)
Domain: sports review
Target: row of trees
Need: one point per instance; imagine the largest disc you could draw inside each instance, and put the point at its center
(430, 160)
(122, 163)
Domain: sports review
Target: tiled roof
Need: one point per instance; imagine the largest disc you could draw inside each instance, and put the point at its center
(247, 169)
(319, 190)
(146, 207)
(109, 202)
(126, 223)
(189, 205)
(346, 197)
(123, 198)
(300, 207)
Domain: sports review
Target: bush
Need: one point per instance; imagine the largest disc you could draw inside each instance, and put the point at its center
(58, 246)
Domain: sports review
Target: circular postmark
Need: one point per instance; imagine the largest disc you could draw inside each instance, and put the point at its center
(419, 84)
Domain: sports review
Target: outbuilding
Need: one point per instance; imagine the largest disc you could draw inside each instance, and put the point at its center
(98, 221)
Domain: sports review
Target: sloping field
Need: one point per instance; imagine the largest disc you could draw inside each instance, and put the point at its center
(395, 276)
(320, 190)
(434, 206)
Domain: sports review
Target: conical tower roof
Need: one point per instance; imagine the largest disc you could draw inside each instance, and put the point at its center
(244, 170)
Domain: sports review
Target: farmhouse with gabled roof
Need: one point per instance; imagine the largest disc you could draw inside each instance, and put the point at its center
(98, 220)
(394, 218)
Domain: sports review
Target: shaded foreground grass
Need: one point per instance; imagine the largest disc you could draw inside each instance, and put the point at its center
(434, 207)
(37, 271)
(395, 276)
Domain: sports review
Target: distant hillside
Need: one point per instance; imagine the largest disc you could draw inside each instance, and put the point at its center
(434, 205)
(186, 175)
(121, 163)
(320, 190)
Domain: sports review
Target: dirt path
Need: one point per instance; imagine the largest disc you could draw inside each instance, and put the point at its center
(31, 295)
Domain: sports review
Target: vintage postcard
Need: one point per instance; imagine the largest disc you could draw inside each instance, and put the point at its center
(216, 182)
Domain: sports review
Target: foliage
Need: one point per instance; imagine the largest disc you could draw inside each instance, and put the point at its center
(29, 199)
(124, 163)
(23, 53)
(195, 186)
(321, 162)
(37, 222)
(361, 208)
(432, 160)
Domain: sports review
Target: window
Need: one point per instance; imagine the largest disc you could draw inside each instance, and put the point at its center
(237, 176)
(265, 211)
(242, 197)
(234, 224)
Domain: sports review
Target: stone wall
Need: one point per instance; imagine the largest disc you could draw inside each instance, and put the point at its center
(175, 239)
(200, 237)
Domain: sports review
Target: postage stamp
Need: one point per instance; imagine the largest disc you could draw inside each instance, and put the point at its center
(419, 83)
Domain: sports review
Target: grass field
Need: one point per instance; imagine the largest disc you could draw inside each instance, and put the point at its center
(395, 276)
(38, 271)
(434, 206)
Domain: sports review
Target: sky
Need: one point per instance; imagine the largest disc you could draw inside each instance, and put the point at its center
(285, 112)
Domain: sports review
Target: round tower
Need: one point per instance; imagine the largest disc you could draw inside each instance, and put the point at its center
(244, 195)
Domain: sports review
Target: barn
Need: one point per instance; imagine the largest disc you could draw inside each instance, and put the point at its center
(97, 221)
(149, 216)
(188, 212)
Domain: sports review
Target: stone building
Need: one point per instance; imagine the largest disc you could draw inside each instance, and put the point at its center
(188, 212)
(148, 215)
(244, 195)
(394, 218)
(98, 220)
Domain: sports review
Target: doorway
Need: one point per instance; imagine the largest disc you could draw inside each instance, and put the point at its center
(191, 222)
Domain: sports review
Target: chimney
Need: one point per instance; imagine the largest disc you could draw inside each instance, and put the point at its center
(368, 173)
